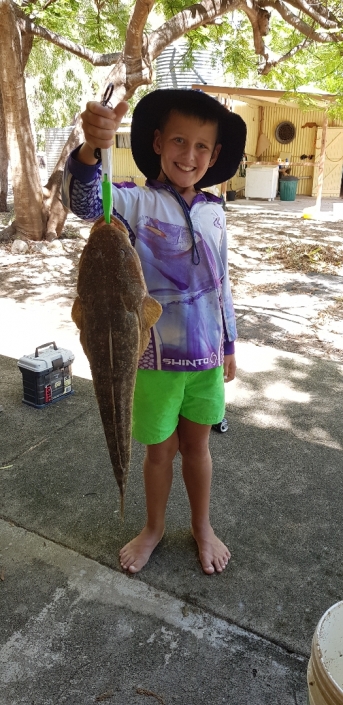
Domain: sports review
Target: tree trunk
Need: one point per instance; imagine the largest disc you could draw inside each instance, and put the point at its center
(3, 161)
(27, 190)
(54, 212)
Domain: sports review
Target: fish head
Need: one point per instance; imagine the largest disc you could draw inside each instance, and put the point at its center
(115, 224)
(109, 242)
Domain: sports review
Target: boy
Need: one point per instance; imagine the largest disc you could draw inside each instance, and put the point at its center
(181, 140)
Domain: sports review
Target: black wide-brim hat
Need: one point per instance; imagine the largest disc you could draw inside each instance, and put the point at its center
(155, 106)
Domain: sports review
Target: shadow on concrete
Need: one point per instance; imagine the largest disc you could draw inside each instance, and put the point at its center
(36, 276)
(276, 493)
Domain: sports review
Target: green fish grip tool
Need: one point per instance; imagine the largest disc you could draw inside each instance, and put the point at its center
(106, 159)
(106, 184)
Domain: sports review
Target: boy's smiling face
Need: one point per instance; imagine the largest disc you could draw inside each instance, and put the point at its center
(188, 148)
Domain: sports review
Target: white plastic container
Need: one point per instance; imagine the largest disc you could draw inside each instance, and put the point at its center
(325, 668)
(337, 211)
(261, 181)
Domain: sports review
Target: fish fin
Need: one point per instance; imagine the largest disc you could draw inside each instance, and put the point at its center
(77, 317)
(76, 312)
(151, 311)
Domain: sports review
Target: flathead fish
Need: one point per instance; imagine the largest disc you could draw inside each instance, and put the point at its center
(114, 314)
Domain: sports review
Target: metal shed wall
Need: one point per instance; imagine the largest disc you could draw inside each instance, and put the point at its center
(124, 167)
(170, 72)
(250, 115)
(55, 139)
(304, 142)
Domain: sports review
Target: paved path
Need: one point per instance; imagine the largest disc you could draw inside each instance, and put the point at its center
(76, 628)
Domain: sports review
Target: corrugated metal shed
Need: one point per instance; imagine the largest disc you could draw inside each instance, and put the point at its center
(171, 74)
(306, 124)
(250, 115)
(55, 139)
(124, 167)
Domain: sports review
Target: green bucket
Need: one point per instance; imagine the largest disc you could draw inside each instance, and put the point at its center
(288, 188)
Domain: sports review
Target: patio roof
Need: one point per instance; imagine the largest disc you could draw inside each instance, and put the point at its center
(263, 96)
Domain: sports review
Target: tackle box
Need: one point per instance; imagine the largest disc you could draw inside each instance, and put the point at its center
(47, 375)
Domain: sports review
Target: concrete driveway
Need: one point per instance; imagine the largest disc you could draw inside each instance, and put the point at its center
(75, 628)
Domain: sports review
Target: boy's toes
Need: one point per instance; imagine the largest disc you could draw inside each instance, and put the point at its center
(132, 568)
(135, 554)
(125, 563)
(219, 564)
(214, 555)
(210, 564)
(209, 569)
(127, 560)
(129, 565)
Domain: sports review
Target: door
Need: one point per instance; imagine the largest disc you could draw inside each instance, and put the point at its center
(333, 162)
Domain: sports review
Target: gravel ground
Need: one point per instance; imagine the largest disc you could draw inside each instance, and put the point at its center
(287, 280)
(286, 273)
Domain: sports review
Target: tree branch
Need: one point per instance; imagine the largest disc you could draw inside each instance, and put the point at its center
(320, 14)
(49, 2)
(28, 27)
(300, 25)
(263, 71)
(192, 17)
(26, 46)
(134, 35)
(254, 12)
(260, 29)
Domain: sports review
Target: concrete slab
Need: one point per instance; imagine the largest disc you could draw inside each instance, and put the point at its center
(328, 210)
(76, 632)
(275, 496)
(23, 427)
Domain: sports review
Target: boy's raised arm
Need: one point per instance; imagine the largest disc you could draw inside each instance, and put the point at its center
(99, 124)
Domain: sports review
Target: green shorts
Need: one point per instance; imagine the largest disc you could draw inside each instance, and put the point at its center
(161, 397)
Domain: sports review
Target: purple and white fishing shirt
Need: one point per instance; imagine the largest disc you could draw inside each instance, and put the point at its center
(197, 325)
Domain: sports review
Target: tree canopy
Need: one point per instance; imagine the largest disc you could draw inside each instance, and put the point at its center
(279, 29)
(58, 93)
(272, 43)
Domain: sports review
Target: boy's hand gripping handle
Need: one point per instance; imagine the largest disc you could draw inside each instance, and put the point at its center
(106, 159)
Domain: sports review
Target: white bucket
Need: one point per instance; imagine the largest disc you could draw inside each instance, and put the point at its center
(337, 211)
(325, 668)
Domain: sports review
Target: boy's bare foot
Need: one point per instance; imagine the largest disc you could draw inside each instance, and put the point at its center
(135, 554)
(214, 555)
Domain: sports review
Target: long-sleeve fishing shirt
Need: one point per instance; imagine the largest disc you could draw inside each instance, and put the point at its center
(197, 325)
